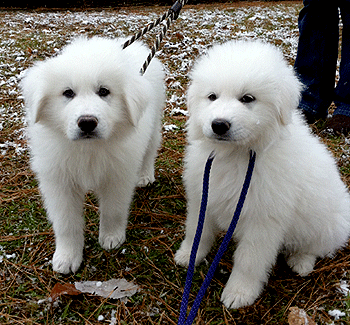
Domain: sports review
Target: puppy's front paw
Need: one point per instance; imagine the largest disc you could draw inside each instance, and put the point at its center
(112, 240)
(235, 300)
(64, 262)
(240, 293)
(182, 257)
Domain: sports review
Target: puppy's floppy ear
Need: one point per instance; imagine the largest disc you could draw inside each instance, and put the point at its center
(36, 107)
(136, 96)
(289, 96)
(192, 96)
(33, 92)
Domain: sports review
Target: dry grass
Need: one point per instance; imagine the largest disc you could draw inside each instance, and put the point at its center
(157, 217)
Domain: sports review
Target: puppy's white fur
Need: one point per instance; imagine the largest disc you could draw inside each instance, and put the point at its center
(296, 200)
(112, 159)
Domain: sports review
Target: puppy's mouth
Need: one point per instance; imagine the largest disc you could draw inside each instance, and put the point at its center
(222, 138)
(83, 135)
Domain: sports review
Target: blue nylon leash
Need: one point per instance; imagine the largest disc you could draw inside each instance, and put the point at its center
(223, 247)
(197, 238)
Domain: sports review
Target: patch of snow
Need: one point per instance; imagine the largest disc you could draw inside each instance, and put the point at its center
(336, 313)
(41, 301)
(344, 288)
(176, 111)
(113, 318)
(170, 127)
(3, 255)
(8, 256)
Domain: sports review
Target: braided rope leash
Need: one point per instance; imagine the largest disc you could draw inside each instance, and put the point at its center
(171, 15)
(184, 303)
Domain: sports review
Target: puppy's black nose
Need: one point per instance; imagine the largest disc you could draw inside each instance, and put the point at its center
(220, 126)
(87, 123)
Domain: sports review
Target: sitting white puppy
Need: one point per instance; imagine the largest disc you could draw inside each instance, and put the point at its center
(94, 124)
(244, 96)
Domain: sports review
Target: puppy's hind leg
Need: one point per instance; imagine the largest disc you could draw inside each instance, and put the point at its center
(147, 169)
(303, 264)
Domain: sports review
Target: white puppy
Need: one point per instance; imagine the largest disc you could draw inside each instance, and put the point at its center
(94, 124)
(244, 96)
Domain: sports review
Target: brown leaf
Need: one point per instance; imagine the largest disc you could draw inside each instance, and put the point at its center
(299, 316)
(63, 289)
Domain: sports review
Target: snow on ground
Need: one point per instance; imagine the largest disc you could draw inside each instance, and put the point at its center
(336, 313)
(29, 36)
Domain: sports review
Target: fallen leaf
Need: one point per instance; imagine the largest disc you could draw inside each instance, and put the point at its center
(114, 288)
(299, 316)
(63, 289)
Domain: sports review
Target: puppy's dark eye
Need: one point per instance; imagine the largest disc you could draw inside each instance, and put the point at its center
(69, 93)
(246, 99)
(103, 92)
(212, 97)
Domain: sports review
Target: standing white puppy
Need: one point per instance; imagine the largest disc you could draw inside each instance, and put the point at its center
(244, 96)
(94, 124)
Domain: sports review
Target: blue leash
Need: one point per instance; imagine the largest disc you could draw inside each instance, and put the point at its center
(222, 248)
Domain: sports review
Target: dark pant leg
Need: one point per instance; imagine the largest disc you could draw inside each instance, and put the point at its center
(317, 54)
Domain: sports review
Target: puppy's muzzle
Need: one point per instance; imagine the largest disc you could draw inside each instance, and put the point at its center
(87, 123)
(220, 126)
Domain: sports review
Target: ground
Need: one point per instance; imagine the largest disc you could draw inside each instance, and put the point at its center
(157, 217)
